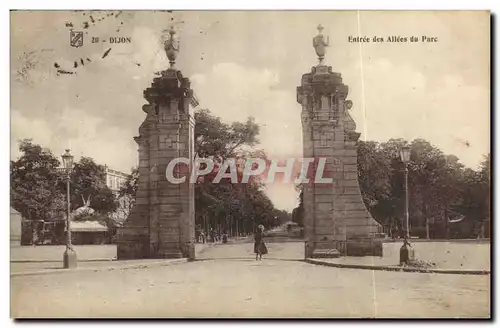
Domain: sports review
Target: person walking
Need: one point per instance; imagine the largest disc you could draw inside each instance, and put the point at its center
(259, 246)
(212, 236)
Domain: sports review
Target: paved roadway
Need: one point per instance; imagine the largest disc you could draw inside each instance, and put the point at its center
(228, 282)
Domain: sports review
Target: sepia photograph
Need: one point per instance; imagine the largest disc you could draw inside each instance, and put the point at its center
(182, 164)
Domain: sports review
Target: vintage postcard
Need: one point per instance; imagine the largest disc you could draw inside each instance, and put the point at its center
(250, 164)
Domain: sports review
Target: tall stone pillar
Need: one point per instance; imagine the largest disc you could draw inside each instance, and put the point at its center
(336, 219)
(161, 224)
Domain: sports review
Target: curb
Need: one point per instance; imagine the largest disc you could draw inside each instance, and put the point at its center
(458, 241)
(398, 269)
(54, 261)
(106, 268)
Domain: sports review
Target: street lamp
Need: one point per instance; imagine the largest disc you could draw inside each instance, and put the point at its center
(406, 253)
(405, 158)
(69, 257)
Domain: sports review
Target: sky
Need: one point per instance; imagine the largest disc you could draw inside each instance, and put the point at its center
(249, 64)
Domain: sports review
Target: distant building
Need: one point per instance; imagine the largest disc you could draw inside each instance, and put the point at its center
(115, 179)
(15, 227)
(88, 233)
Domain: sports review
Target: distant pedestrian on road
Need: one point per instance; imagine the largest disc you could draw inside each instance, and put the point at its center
(259, 247)
(393, 233)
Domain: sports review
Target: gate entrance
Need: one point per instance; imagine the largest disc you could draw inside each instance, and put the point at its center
(161, 225)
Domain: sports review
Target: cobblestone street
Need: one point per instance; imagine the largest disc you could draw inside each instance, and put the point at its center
(228, 282)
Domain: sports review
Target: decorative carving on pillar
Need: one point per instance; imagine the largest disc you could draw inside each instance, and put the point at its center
(141, 141)
(352, 136)
(349, 123)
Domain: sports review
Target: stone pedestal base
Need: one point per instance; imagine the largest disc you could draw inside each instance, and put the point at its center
(351, 247)
(168, 254)
(325, 254)
(406, 254)
(190, 251)
(308, 249)
(131, 251)
(362, 247)
(132, 243)
(142, 250)
(69, 259)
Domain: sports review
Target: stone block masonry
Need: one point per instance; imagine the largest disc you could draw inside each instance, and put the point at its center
(161, 225)
(335, 215)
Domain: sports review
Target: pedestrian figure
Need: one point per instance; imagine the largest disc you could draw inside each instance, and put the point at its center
(393, 233)
(259, 246)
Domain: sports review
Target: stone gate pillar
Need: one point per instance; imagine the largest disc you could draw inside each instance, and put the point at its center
(161, 224)
(335, 216)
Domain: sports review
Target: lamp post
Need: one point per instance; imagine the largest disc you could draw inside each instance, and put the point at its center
(69, 257)
(406, 253)
(405, 158)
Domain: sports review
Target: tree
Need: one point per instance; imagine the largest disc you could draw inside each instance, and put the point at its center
(219, 140)
(375, 172)
(282, 216)
(226, 204)
(298, 212)
(128, 191)
(474, 202)
(34, 183)
(88, 180)
(484, 179)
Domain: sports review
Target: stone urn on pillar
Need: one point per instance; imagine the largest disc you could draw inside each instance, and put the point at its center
(171, 46)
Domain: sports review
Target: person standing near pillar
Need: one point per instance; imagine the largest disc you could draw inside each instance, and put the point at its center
(259, 246)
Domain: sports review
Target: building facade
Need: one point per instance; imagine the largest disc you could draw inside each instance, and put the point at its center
(115, 179)
(15, 227)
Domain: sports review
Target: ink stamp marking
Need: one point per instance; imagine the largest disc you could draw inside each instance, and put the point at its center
(76, 39)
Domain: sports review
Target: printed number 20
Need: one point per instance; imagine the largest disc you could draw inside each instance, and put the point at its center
(95, 39)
